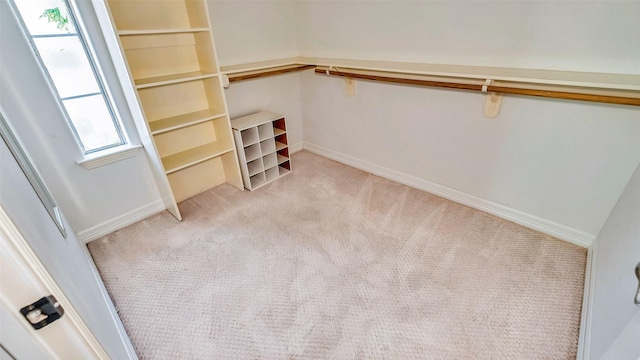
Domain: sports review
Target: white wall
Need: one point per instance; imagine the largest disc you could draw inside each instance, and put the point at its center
(565, 35)
(616, 255)
(280, 94)
(88, 197)
(560, 162)
(248, 31)
(564, 162)
(65, 259)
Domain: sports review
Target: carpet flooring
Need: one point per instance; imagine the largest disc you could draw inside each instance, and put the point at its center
(330, 262)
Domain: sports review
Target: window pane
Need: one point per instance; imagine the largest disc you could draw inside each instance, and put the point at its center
(31, 10)
(68, 66)
(62, 51)
(92, 121)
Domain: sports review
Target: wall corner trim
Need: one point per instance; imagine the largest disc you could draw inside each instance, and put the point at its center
(562, 232)
(121, 221)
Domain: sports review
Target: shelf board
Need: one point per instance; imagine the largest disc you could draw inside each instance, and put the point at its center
(282, 159)
(172, 79)
(279, 70)
(257, 119)
(608, 81)
(278, 132)
(196, 155)
(161, 31)
(260, 65)
(247, 144)
(180, 121)
(535, 76)
(280, 146)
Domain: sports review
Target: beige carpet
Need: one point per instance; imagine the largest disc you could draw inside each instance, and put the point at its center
(333, 263)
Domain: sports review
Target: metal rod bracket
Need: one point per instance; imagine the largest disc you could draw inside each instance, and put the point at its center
(225, 81)
(351, 86)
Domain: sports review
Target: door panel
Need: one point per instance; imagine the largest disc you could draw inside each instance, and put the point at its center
(15, 338)
(65, 259)
(613, 326)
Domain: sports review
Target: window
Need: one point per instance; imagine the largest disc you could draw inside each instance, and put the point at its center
(63, 53)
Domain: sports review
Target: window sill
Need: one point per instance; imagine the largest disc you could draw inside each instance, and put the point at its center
(106, 157)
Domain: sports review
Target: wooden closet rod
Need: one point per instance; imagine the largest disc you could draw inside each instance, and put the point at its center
(276, 70)
(621, 100)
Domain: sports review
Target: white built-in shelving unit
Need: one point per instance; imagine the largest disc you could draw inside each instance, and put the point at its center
(169, 52)
(263, 150)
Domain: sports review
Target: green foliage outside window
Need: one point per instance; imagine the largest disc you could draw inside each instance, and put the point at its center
(54, 16)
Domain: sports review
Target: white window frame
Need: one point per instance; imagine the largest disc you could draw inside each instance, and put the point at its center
(98, 156)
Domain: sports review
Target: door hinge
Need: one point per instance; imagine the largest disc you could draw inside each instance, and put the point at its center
(43, 312)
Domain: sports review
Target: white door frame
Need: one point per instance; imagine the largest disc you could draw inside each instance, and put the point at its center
(587, 301)
(25, 280)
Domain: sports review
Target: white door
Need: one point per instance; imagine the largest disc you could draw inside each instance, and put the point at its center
(35, 235)
(15, 340)
(24, 281)
(627, 344)
(612, 324)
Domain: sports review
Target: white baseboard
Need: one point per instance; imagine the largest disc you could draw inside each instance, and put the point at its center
(121, 221)
(587, 301)
(296, 147)
(548, 227)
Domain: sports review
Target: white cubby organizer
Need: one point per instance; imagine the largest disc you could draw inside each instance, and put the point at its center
(263, 150)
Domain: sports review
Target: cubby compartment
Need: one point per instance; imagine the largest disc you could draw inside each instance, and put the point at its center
(268, 146)
(284, 168)
(252, 152)
(250, 136)
(283, 155)
(255, 166)
(270, 160)
(279, 127)
(281, 142)
(272, 174)
(272, 150)
(140, 15)
(160, 58)
(257, 180)
(280, 146)
(265, 131)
